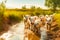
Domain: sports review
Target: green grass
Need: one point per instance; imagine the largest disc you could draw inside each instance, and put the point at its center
(57, 17)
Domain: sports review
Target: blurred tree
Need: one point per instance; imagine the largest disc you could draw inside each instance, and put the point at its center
(54, 4)
(38, 8)
(2, 7)
(24, 7)
(2, 10)
(33, 7)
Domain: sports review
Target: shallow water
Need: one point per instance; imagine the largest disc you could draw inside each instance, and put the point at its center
(16, 32)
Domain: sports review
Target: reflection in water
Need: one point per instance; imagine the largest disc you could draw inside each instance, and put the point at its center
(43, 33)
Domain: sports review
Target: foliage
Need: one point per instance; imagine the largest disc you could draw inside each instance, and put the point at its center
(57, 17)
(54, 4)
(23, 7)
(2, 9)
